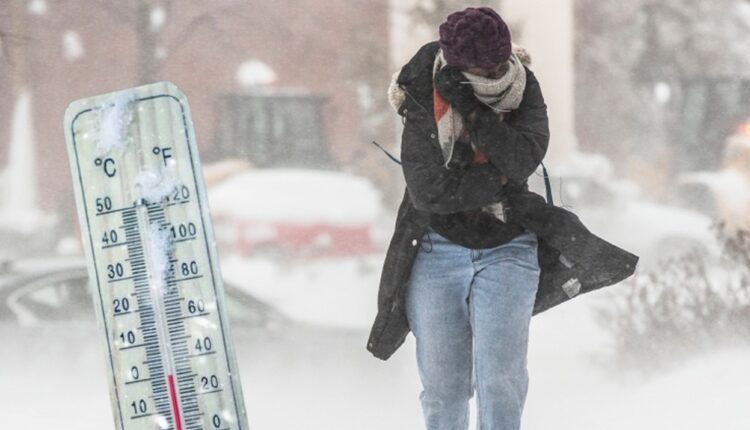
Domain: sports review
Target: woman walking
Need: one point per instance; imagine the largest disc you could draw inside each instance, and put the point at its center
(490, 253)
(473, 284)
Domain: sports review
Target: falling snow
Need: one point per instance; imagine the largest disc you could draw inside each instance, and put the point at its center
(72, 46)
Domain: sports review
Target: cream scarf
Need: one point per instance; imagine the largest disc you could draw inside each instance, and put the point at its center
(501, 95)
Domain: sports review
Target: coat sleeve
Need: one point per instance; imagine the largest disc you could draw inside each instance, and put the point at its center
(433, 187)
(518, 145)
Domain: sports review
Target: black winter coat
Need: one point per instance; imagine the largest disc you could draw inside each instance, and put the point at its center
(571, 258)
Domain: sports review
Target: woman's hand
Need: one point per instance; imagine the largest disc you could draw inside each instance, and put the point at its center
(456, 89)
(516, 145)
(462, 155)
(471, 118)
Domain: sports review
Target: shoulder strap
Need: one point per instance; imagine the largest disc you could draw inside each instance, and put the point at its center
(547, 185)
(386, 152)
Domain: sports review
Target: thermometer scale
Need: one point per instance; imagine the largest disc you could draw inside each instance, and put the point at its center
(152, 261)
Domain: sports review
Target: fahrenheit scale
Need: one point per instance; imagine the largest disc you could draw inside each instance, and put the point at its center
(152, 261)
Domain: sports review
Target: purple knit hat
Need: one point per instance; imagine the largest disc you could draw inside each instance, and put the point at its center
(475, 37)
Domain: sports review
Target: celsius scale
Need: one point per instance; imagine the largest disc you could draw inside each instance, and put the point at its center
(152, 261)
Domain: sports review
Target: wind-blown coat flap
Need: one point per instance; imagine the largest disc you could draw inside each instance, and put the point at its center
(573, 259)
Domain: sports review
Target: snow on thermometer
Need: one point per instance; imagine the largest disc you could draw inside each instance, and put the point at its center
(152, 261)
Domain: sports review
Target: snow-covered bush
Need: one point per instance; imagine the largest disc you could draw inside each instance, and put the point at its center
(692, 304)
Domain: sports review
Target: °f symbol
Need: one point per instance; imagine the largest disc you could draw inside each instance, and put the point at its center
(165, 152)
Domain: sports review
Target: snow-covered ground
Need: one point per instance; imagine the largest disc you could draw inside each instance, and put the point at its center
(335, 292)
(54, 377)
(568, 388)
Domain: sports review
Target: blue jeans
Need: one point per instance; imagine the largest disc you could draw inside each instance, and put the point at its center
(469, 310)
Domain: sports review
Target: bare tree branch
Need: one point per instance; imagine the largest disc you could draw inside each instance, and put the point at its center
(191, 29)
(205, 19)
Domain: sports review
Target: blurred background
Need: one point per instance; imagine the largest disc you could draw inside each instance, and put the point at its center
(649, 104)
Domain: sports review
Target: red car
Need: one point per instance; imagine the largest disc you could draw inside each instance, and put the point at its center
(298, 213)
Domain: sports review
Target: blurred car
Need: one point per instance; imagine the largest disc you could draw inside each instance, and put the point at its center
(726, 191)
(613, 209)
(651, 230)
(53, 355)
(296, 213)
(62, 294)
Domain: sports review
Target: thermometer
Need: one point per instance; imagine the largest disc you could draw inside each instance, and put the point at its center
(152, 261)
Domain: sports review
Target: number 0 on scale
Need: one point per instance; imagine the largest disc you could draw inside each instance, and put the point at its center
(152, 261)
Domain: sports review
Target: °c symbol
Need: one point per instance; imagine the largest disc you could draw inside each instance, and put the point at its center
(109, 166)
